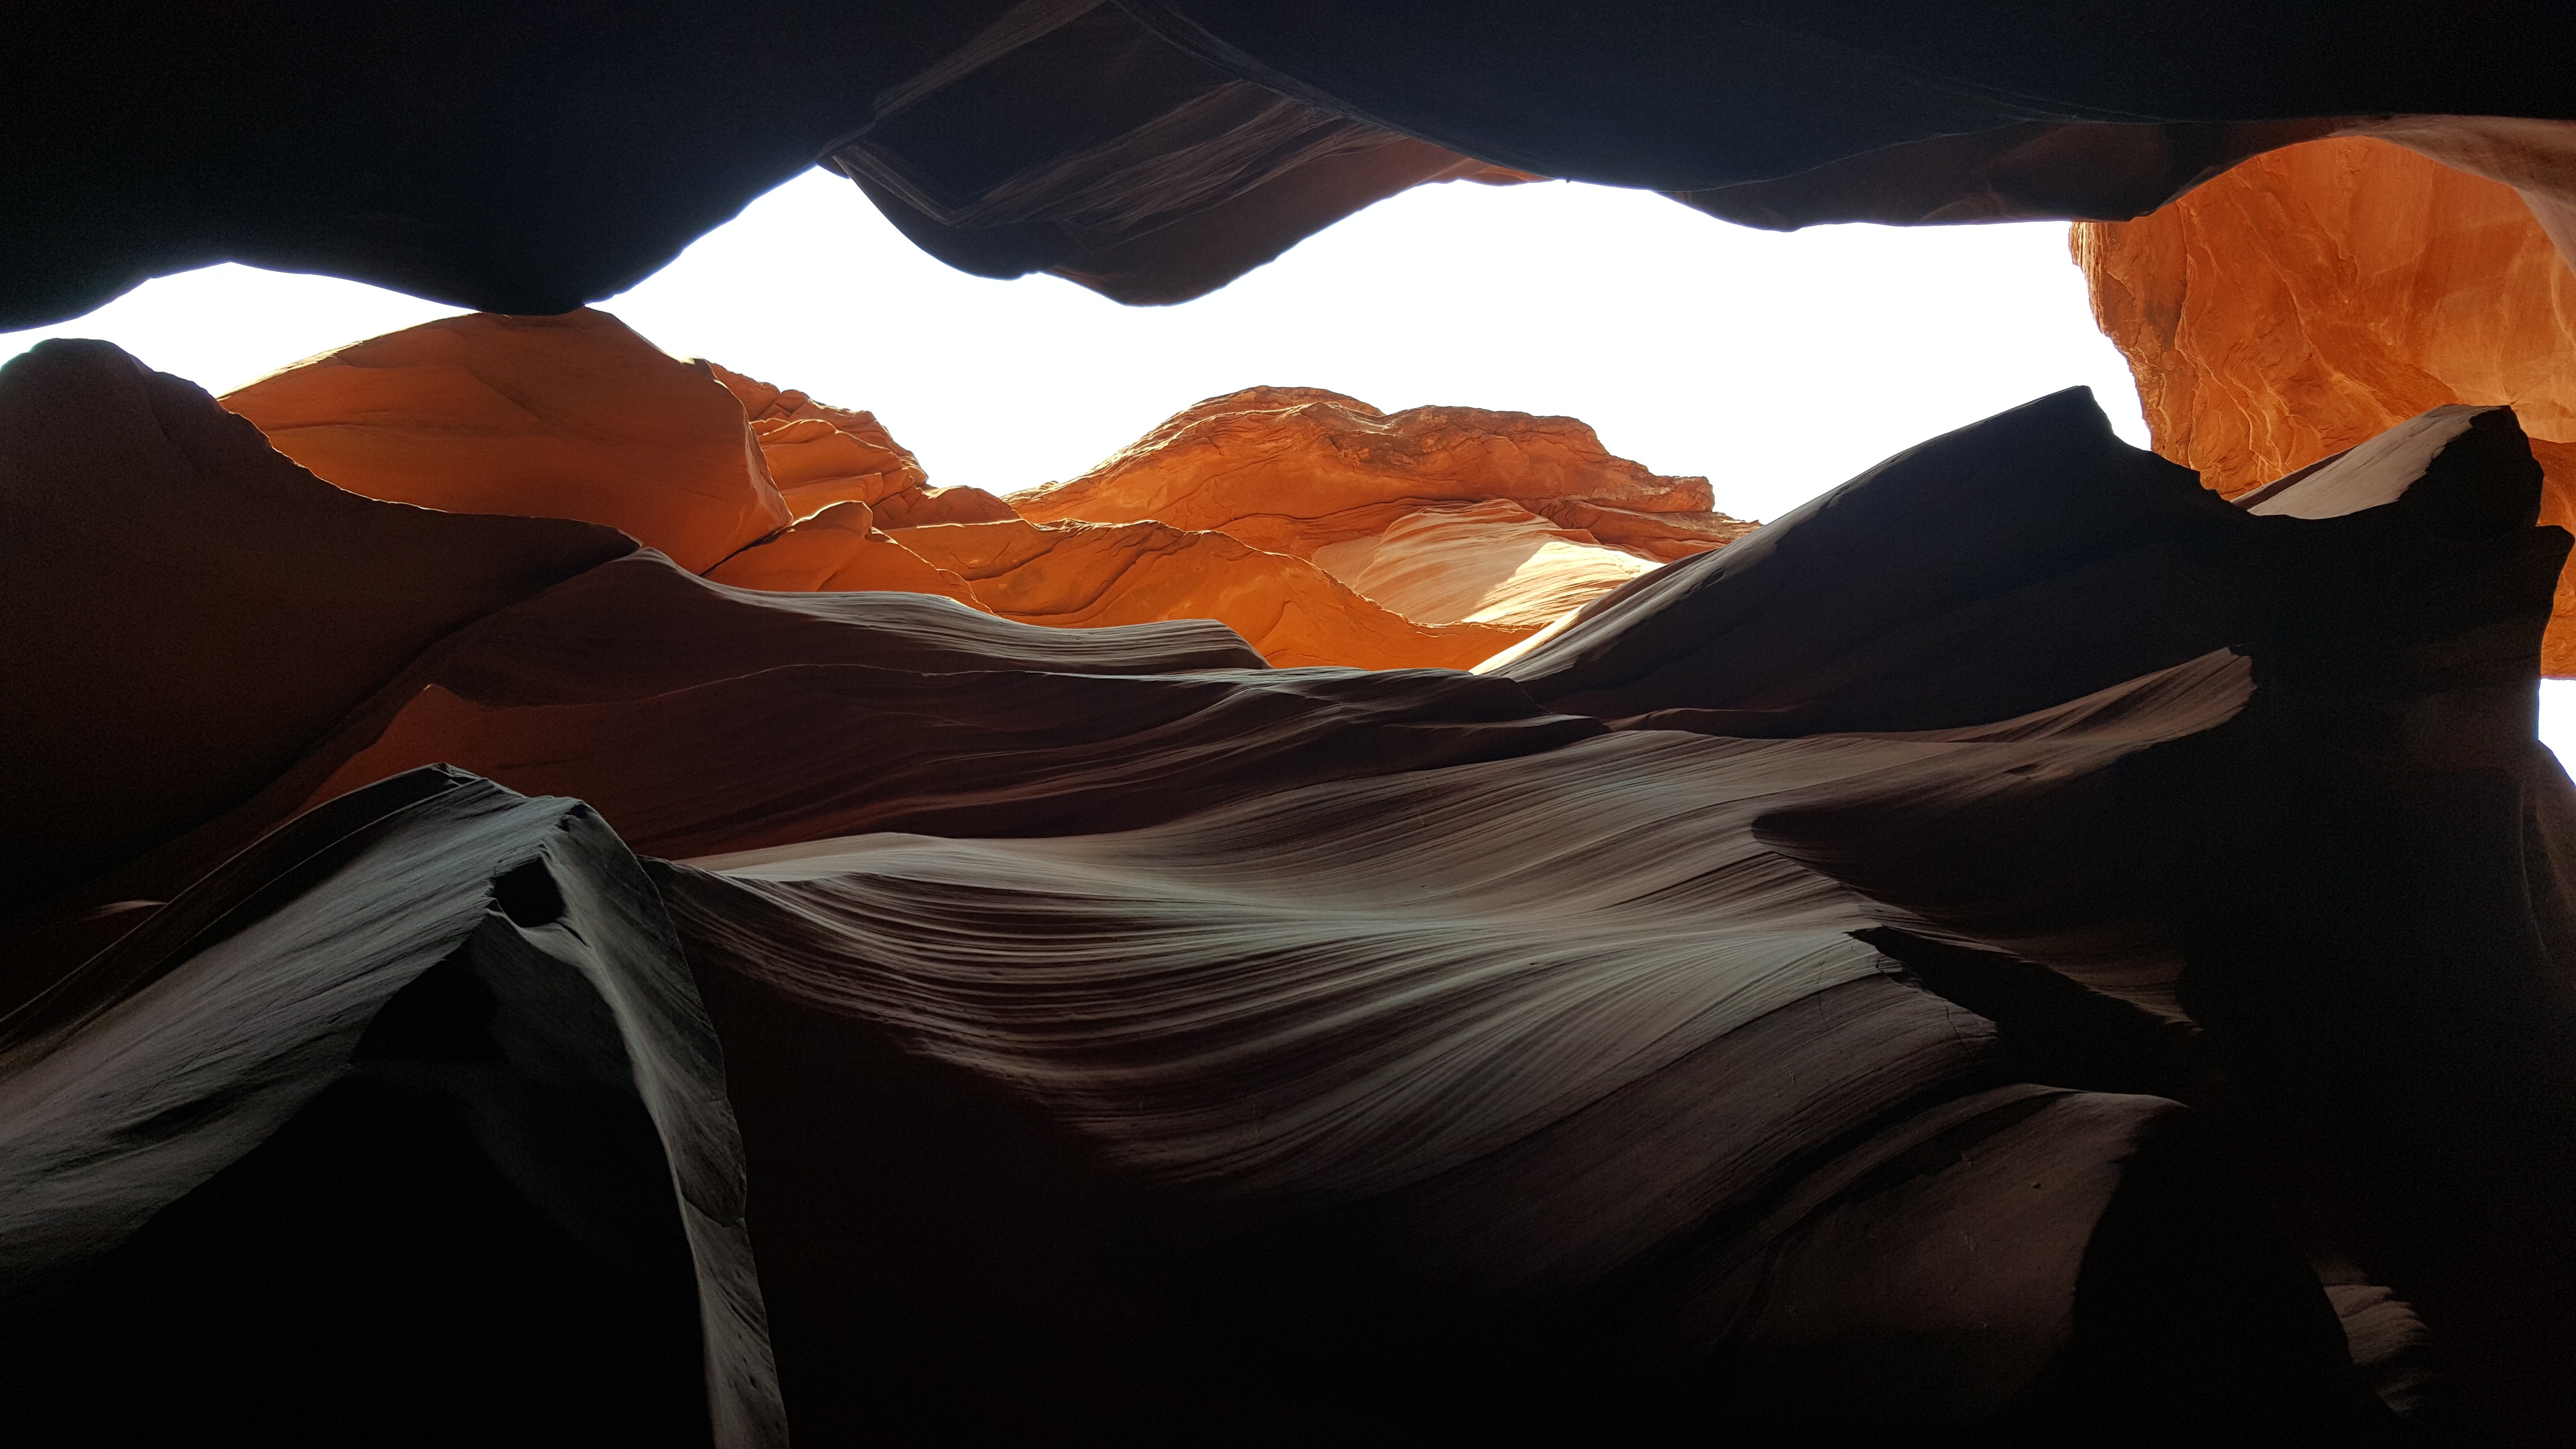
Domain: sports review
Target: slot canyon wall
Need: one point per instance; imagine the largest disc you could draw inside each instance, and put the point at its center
(2314, 297)
(557, 893)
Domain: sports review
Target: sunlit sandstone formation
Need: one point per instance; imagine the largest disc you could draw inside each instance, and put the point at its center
(1294, 469)
(1784, 1001)
(1432, 539)
(819, 455)
(562, 417)
(2313, 297)
(839, 550)
(1446, 515)
(1487, 563)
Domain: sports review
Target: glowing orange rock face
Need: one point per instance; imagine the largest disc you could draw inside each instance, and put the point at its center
(819, 455)
(1323, 531)
(838, 550)
(574, 416)
(1083, 575)
(1447, 516)
(2315, 296)
(1293, 469)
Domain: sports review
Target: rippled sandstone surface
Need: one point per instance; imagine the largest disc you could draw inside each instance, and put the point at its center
(1797, 995)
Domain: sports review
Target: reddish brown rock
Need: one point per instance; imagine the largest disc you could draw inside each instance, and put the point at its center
(1082, 575)
(558, 417)
(820, 455)
(2316, 296)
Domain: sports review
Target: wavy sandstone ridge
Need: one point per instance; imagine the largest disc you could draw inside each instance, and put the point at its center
(1079, 574)
(1759, 1006)
(1434, 539)
(2312, 298)
(1295, 469)
(562, 417)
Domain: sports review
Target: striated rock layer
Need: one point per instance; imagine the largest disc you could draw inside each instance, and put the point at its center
(1757, 1007)
(2314, 297)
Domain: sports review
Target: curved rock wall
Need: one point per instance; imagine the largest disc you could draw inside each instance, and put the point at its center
(2313, 297)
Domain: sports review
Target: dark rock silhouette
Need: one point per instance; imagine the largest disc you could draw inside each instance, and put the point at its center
(531, 158)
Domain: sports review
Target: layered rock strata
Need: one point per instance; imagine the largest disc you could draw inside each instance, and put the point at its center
(1297, 469)
(1446, 515)
(1757, 1007)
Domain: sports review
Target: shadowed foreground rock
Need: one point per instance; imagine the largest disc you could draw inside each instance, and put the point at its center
(2099, 981)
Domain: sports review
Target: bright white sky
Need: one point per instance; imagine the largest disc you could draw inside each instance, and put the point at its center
(1776, 365)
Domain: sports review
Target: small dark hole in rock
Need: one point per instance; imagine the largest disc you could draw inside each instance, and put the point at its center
(528, 895)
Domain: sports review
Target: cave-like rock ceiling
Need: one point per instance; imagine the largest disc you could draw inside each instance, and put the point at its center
(559, 894)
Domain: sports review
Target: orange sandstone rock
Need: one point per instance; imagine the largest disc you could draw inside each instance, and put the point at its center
(1293, 469)
(1446, 515)
(1327, 533)
(574, 416)
(2316, 296)
(821, 455)
(818, 454)
(917, 507)
(1294, 613)
(838, 550)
